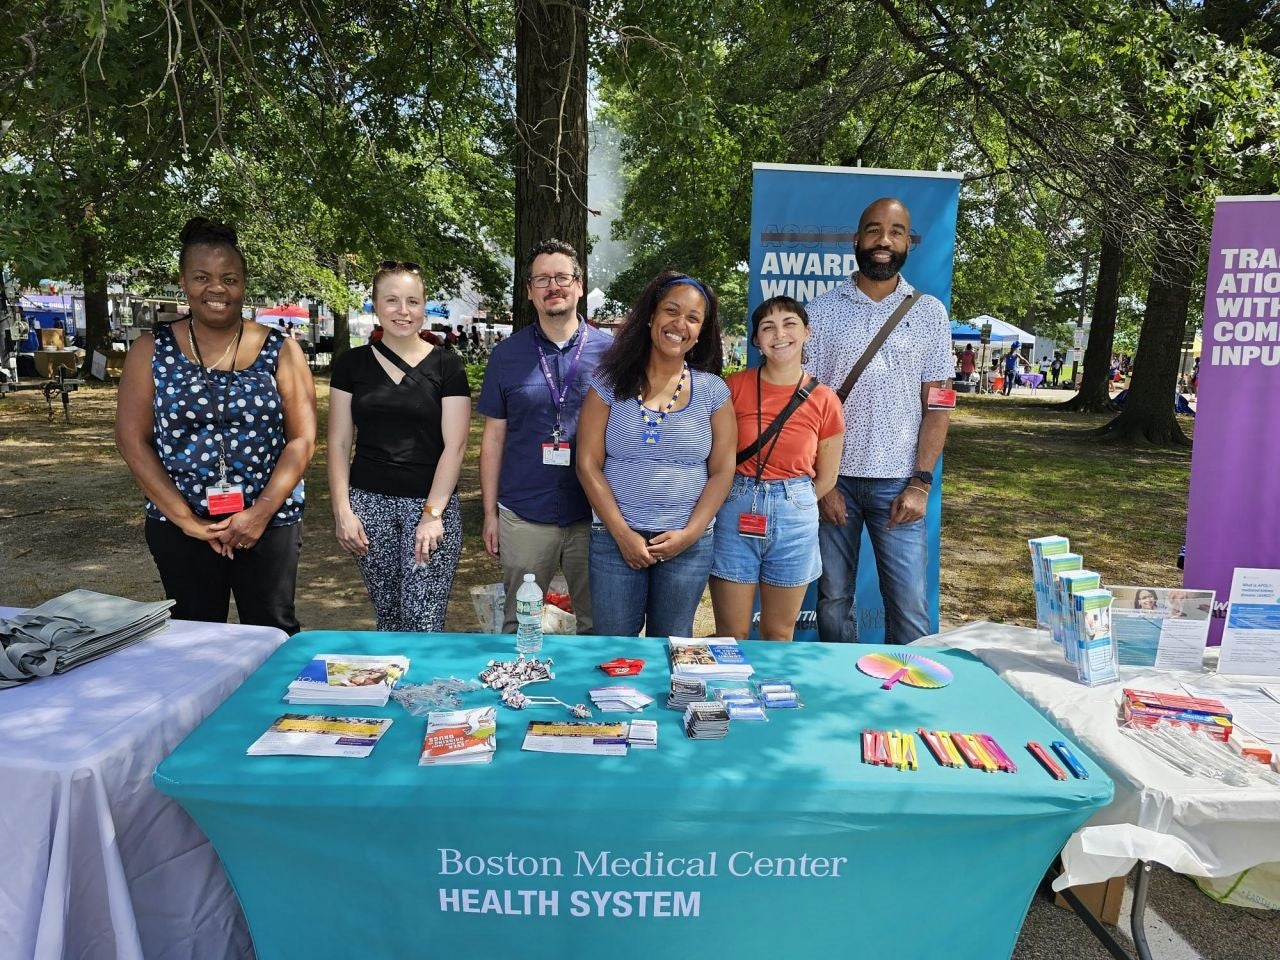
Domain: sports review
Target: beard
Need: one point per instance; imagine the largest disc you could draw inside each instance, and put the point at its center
(874, 270)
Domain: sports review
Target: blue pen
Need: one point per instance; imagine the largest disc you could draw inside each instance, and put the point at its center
(1076, 767)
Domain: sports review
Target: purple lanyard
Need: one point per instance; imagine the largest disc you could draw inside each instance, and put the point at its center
(558, 394)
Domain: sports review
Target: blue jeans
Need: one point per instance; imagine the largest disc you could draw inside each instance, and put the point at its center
(660, 599)
(901, 553)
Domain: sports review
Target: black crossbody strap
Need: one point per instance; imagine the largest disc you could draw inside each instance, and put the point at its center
(797, 398)
(874, 346)
(411, 374)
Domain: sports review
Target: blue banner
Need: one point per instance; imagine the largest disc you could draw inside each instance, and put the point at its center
(803, 220)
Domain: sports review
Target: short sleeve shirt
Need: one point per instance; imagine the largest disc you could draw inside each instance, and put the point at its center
(399, 433)
(883, 411)
(516, 390)
(796, 452)
(657, 485)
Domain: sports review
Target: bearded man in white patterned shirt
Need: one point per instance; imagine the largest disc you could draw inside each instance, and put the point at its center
(892, 441)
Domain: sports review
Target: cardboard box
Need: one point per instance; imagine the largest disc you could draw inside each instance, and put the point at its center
(48, 361)
(52, 338)
(1100, 899)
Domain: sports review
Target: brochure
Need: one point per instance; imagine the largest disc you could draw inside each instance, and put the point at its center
(344, 679)
(576, 736)
(301, 735)
(1251, 637)
(1159, 627)
(460, 736)
(711, 658)
(1096, 653)
(1042, 547)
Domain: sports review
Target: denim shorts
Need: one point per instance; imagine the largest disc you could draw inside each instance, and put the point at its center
(788, 555)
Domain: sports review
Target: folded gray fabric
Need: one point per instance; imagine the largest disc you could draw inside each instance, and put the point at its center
(72, 630)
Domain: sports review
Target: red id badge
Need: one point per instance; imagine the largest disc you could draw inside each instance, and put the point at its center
(225, 498)
(753, 525)
(941, 398)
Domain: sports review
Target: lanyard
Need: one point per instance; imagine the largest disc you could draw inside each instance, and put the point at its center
(220, 398)
(762, 457)
(559, 394)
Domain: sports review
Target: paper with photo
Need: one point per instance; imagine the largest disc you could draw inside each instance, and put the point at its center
(1160, 627)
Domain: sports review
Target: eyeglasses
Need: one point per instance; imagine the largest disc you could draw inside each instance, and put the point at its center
(561, 280)
(399, 265)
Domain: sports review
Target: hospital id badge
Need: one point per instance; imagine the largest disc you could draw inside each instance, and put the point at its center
(225, 498)
(555, 454)
(753, 525)
(941, 398)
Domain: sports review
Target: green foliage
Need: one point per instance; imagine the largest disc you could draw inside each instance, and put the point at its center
(331, 134)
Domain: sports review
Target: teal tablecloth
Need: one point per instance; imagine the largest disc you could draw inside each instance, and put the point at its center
(777, 841)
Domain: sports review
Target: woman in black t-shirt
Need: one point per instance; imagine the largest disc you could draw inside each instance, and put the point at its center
(394, 504)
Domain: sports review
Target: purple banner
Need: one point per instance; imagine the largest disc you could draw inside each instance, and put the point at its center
(1233, 512)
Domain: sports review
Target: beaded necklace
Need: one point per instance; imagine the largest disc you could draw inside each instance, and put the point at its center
(651, 431)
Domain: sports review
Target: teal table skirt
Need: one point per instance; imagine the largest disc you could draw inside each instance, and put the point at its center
(776, 841)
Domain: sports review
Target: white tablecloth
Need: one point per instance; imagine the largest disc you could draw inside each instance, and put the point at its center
(97, 865)
(1189, 824)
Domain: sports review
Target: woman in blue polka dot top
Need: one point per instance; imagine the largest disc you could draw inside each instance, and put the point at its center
(216, 417)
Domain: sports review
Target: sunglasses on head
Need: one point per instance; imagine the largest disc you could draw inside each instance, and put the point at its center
(399, 265)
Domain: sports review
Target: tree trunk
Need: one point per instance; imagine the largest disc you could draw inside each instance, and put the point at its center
(1095, 395)
(97, 326)
(341, 327)
(551, 133)
(1148, 415)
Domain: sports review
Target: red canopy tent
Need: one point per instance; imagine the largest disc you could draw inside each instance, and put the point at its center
(286, 311)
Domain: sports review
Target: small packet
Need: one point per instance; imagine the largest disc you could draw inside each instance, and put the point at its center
(741, 703)
(777, 693)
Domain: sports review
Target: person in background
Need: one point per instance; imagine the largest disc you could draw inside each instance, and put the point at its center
(968, 363)
(408, 405)
(766, 534)
(536, 516)
(1010, 370)
(656, 442)
(216, 419)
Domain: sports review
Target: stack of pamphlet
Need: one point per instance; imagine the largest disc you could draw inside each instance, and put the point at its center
(706, 720)
(685, 691)
(643, 734)
(347, 680)
(576, 736)
(460, 736)
(619, 697)
(311, 736)
(712, 658)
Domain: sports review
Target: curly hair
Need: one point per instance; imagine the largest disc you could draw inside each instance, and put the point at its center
(624, 366)
(203, 232)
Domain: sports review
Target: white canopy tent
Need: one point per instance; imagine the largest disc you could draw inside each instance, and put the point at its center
(1005, 334)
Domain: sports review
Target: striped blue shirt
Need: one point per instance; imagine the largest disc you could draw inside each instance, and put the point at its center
(658, 484)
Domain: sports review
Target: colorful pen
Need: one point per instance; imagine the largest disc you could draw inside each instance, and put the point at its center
(1046, 761)
(1076, 767)
(997, 752)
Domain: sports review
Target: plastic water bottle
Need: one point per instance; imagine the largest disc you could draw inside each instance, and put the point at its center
(528, 616)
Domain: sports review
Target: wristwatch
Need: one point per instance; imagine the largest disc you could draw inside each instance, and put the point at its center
(432, 512)
(924, 476)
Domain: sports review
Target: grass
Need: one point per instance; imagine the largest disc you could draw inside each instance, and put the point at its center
(1015, 468)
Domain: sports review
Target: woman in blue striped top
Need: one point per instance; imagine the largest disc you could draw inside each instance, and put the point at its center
(656, 444)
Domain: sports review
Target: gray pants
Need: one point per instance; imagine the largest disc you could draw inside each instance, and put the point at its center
(541, 549)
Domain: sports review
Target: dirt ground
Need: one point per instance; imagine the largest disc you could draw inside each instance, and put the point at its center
(71, 515)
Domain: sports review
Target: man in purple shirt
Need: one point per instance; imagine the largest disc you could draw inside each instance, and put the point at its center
(536, 517)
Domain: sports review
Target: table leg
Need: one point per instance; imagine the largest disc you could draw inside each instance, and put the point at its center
(1138, 912)
(1136, 916)
(1095, 926)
